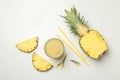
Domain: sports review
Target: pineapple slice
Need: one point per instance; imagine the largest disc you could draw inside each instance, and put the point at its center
(91, 41)
(40, 63)
(93, 44)
(28, 46)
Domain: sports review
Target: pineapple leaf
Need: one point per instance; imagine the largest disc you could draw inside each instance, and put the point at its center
(62, 62)
(67, 13)
(75, 62)
(73, 19)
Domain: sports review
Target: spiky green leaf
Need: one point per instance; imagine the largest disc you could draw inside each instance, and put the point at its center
(62, 62)
(75, 62)
(73, 19)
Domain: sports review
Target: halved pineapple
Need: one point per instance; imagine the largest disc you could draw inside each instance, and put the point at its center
(93, 44)
(40, 63)
(29, 45)
(91, 41)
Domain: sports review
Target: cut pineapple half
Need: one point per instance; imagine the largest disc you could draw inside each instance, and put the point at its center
(91, 41)
(93, 44)
(28, 46)
(40, 63)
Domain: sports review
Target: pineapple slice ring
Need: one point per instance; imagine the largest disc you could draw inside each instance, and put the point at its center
(40, 63)
(29, 45)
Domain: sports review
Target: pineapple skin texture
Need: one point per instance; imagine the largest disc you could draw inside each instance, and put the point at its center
(40, 63)
(93, 44)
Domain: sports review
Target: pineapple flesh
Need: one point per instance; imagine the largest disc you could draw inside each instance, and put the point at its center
(91, 41)
(93, 44)
(29, 45)
(40, 63)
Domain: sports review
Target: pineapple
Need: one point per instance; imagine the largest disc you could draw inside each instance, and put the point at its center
(28, 46)
(40, 63)
(91, 41)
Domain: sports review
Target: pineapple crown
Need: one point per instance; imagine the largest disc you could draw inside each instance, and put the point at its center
(74, 20)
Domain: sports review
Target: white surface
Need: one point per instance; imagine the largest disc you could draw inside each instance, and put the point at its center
(23, 19)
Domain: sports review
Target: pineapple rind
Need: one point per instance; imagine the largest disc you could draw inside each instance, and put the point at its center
(93, 44)
(40, 63)
(29, 45)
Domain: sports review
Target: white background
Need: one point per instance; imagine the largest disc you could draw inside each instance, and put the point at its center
(24, 19)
